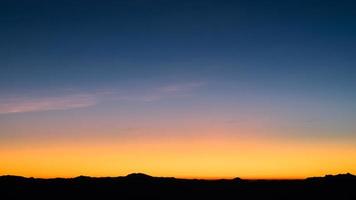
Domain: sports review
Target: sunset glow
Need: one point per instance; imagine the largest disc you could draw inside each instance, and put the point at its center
(188, 157)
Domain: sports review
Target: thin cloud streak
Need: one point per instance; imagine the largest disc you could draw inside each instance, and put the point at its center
(156, 93)
(174, 90)
(82, 100)
(185, 87)
(21, 105)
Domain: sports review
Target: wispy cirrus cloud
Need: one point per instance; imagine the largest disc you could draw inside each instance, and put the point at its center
(169, 91)
(26, 104)
(22, 104)
(183, 87)
(152, 94)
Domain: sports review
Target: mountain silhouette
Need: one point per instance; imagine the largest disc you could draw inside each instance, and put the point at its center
(341, 177)
(143, 186)
(138, 176)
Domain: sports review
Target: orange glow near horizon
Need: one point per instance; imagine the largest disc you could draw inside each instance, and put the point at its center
(185, 157)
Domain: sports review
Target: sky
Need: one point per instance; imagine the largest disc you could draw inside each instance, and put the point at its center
(192, 89)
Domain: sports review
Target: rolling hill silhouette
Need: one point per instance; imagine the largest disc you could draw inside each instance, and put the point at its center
(142, 186)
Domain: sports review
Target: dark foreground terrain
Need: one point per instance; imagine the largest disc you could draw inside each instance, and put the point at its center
(141, 186)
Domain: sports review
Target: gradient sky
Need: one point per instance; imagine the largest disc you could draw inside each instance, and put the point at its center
(207, 89)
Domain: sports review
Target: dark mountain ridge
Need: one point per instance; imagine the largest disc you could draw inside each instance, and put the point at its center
(142, 176)
(139, 185)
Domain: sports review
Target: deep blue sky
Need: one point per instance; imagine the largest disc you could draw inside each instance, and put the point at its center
(296, 44)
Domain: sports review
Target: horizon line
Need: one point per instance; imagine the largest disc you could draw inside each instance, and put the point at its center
(181, 177)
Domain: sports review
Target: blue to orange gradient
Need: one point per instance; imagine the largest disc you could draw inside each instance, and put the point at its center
(193, 89)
